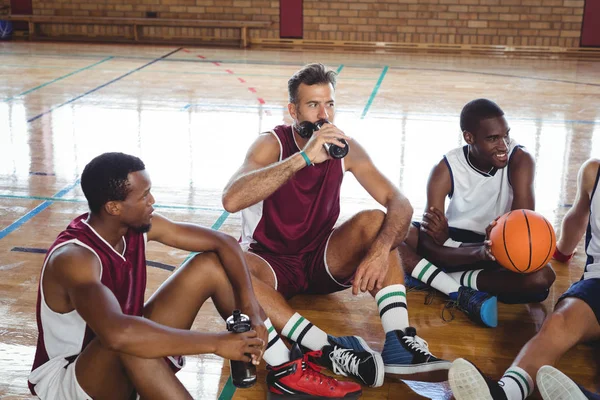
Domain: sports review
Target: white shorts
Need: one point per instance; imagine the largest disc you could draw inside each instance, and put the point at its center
(56, 380)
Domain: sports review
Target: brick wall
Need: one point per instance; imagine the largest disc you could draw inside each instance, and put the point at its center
(239, 10)
(491, 22)
(485, 22)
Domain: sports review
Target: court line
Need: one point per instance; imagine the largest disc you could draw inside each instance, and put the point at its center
(103, 85)
(374, 93)
(58, 199)
(281, 63)
(35, 250)
(339, 70)
(59, 78)
(32, 213)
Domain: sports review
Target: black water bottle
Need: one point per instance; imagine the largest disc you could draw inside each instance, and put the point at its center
(306, 128)
(243, 374)
(334, 151)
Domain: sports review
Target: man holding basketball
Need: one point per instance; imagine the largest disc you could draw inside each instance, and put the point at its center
(484, 179)
(576, 318)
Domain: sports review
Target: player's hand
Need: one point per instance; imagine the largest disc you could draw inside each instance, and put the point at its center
(328, 133)
(435, 224)
(489, 228)
(261, 331)
(485, 251)
(246, 346)
(371, 271)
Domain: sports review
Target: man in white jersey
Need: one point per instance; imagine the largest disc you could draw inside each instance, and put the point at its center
(576, 318)
(484, 179)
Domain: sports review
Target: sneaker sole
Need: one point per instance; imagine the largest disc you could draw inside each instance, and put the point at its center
(489, 312)
(379, 367)
(554, 385)
(429, 372)
(466, 382)
(304, 396)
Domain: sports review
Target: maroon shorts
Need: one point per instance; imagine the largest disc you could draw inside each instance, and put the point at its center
(305, 273)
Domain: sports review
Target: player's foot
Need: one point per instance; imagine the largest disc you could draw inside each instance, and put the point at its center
(554, 385)
(301, 379)
(351, 356)
(405, 353)
(479, 306)
(468, 383)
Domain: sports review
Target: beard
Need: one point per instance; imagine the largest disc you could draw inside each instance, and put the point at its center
(142, 228)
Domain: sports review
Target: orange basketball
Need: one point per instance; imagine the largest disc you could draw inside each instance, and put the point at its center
(523, 241)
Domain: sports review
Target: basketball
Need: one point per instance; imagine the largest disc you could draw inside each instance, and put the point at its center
(523, 241)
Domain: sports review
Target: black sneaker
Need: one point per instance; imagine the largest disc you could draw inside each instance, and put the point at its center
(351, 356)
(405, 353)
(479, 306)
(468, 383)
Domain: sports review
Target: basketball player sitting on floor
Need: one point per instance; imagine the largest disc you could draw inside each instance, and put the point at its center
(576, 317)
(97, 339)
(288, 190)
(484, 179)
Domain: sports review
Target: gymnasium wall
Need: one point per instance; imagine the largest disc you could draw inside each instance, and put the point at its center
(485, 22)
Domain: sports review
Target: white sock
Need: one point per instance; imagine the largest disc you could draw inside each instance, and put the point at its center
(433, 276)
(516, 383)
(391, 301)
(466, 278)
(276, 353)
(300, 330)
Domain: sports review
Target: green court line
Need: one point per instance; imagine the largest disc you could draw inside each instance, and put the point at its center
(374, 93)
(228, 390)
(340, 68)
(216, 226)
(59, 79)
(59, 199)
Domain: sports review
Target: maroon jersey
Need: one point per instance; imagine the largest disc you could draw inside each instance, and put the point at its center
(64, 336)
(299, 215)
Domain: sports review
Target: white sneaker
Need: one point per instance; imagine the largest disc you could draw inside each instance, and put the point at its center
(554, 385)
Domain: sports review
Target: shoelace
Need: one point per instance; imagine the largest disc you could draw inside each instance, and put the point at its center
(344, 361)
(472, 299)
(417, 344)
(313, 371)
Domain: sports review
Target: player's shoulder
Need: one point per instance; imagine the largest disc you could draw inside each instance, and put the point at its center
(521, 157)
(72, 258)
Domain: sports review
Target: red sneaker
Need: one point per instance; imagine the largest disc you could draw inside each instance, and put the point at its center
(301, 379)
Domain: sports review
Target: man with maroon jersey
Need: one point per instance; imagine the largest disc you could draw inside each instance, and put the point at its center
(288, 190)
(97, 339)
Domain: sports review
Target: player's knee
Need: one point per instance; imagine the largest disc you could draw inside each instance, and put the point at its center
(204, 265)
(542, 280)
(369, 222)
(555, 325)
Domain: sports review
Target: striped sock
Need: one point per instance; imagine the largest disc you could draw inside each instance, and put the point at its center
(466, 278)
(276, 353)
(516, 383)
(433, 276)
(300, 330)
(391, 301)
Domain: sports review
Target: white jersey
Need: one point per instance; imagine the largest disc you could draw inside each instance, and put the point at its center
(476, 197)
(592, 237)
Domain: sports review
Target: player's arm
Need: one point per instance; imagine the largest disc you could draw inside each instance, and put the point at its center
(395, 226)
(521, 174)
(260, 175)
(576, 219)
(195, 238)
(78, 271)
(431, 246)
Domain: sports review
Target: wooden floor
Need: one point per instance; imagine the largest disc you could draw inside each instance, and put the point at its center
(191, 113)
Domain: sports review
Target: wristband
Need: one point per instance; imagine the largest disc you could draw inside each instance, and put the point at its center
(303, 154)
(452, 243)
(563, 258)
